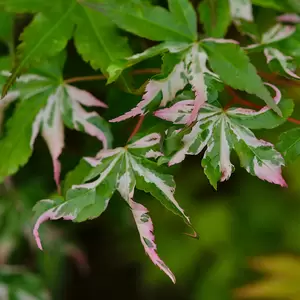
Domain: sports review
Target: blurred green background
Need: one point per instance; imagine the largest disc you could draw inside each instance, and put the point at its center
(103, 259)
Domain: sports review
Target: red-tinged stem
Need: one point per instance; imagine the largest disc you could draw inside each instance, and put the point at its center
(237, 99)
(295, 121)
(136, 128)
(102, 77)
(277, 80)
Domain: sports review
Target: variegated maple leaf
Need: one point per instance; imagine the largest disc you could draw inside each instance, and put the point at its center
(275, 34)
(220, 131)
(122, 169)
(284, 61)
(191, 69)
(48, 104)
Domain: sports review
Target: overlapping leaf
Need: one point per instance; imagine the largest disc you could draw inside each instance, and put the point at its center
(190, 69)
(121, 169)
(289, 145)
(46, 105)
(222, 131)
(96, 38)
(152, 22)
(285, 62)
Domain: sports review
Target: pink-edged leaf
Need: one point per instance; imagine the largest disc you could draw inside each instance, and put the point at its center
(265, 117)
(76, 201)
(50, 122)
(145, 228)
(219, 132)
(190, 70)
(167, 87)
(196, 61)
(53, 134)
(84, 97)
(220, 41)
(82, 117)
(252, 112)
(149, 140)
(289, 18)
(277, 33)
(274, 54)
(179, 113)
(50, 214)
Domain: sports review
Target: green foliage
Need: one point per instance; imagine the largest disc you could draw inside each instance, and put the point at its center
(204, 97)
(215, 16)
(235, 69)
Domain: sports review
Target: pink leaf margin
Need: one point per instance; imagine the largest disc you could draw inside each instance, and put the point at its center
(145, 228)
(50, 214)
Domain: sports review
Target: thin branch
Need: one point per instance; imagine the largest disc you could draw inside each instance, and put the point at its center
(236, 99)
(102, 77)
(279, 80)
(136, 128)
(295, 121)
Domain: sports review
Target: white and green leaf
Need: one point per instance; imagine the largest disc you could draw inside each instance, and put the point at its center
(284, 61)
(218, 131)
(191, 69)
(122, 170)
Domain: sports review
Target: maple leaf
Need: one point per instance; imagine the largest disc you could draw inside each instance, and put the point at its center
(60, 104)
(121, 169)
(95, 37)
(273, 54)
(220, 132)
(189, 66)
(275, 34)
(190, 69)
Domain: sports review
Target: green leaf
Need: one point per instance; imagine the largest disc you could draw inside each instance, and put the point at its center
(295, 5)
(116, 68)
(267, 119)
(6, 27)
(289, 145)
(184, 12)
(15, 146)
(77, 175)
(121, 169)
(64, 105)
(234, 68)
(215, 17)
(275, 4)
(97, 39)
(151, 22)
(45, 36)
(26, 6)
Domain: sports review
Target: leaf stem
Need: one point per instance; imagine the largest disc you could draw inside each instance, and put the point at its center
(136, 128)
(236, 99)
(103, 77)
(277, 80)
